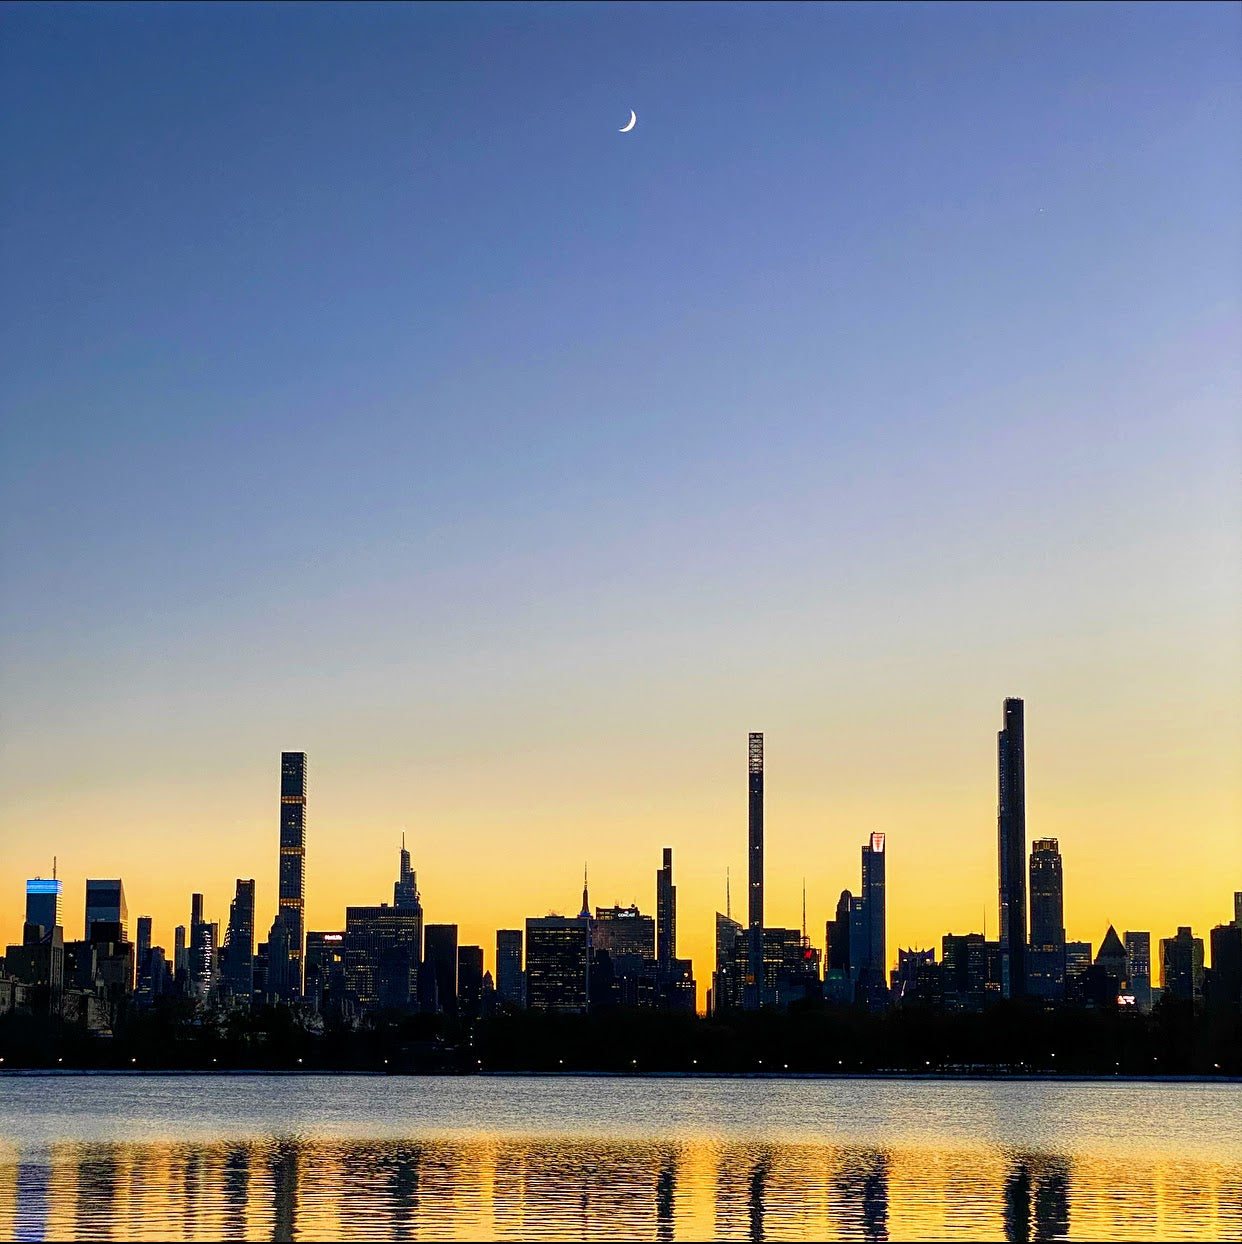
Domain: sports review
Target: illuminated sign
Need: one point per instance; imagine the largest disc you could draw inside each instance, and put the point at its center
(877, 843)
(40, 886)
(333, 937)
(1125, 999)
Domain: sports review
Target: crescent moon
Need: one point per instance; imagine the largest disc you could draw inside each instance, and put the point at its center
(625, 129)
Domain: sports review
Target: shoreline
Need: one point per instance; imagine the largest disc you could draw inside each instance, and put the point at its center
(951, 1077)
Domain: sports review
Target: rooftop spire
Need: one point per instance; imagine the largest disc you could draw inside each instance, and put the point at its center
(728, 902)
(586, 905)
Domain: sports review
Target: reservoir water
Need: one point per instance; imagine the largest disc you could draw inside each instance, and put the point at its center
(482, 1157)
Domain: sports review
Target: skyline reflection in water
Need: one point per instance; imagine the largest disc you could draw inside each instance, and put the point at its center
(451, 1177)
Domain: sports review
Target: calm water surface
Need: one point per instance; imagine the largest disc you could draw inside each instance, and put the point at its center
(355, 1157)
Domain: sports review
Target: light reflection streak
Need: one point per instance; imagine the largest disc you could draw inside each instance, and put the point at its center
(513, 1187)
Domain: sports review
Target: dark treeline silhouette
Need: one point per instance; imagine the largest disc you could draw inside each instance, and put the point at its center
(1010, 1037)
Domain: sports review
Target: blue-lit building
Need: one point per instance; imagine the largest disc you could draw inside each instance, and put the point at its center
(43, 903)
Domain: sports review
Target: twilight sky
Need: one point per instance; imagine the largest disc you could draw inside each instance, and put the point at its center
(363, 391)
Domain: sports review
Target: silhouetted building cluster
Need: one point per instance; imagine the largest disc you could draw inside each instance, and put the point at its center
(386, 958)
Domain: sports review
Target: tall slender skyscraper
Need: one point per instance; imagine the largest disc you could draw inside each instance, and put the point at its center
(1011, 854)
(666, 912)
(874, 906)
(293, 861)
(754, 957)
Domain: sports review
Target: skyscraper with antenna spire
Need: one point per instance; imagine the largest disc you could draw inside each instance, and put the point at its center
(405, 888)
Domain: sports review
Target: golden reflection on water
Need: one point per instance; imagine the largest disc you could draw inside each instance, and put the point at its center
(513, 1187)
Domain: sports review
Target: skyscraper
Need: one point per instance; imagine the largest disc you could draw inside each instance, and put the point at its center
(556, 964)
(1181, 965)
(1138, 963)
(623, 931)
(509, 982)
(146, 986)
(838, 979)
(105, 904)
(43, 903)
(440, 953)
(1223, 986)
(1045, 968)
(838, 936)
(666, 912)
(325, 974)
(754, 958)
(383, 949)
(237, 954)
(874, 906)
(203, 949)
(469, 981)
(732, 965)
(293, 862)
(1011, 841)
(405, 888)
(964, 970)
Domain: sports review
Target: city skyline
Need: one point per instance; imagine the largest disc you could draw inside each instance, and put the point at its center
(511, 467)
(869, 917)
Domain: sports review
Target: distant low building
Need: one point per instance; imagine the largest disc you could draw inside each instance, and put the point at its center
(917, 979)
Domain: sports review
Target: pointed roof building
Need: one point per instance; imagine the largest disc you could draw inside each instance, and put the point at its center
(1112, 955)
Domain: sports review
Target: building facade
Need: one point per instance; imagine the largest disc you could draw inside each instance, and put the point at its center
(666, 911)
(43, 903)
(1181, 966)
(469, 981)
(754, 934)
(292, 896)
(382, 952)
(1138, 964)
(875, 966)
(105, 904)
(1045, 968)
(557, 972)
(624, 931)
(237, 953)
(440, 954)
(1011, 848)
(510, 980)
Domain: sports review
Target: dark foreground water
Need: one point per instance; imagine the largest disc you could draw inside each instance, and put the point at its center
(354, 1157)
